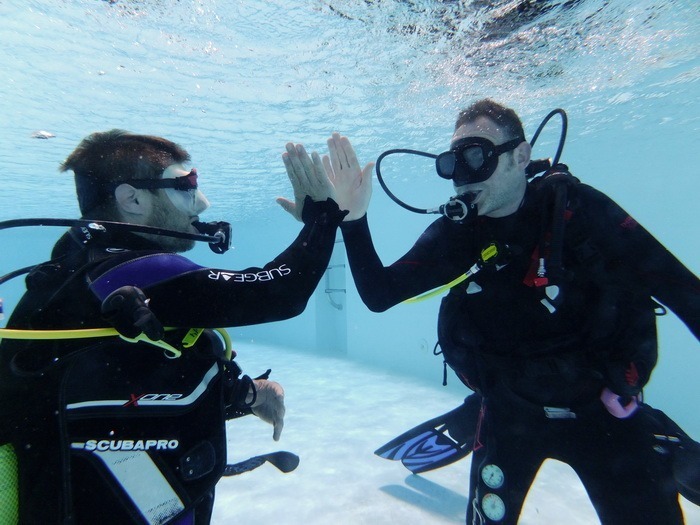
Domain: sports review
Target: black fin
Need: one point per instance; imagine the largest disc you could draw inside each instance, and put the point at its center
(284, 461)
(667, 435)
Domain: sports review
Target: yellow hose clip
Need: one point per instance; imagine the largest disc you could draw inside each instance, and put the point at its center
(488, 255)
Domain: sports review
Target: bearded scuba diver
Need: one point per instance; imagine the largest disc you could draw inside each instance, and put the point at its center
(127, 310)
(451, 436)
(114, 375)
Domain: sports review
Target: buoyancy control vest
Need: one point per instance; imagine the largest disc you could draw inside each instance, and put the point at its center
(110, 431)
(564, 261)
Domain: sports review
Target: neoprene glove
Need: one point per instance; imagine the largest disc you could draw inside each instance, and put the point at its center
(626, 379)
(126, 309)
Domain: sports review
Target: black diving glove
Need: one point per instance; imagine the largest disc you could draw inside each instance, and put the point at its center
(126, 309)
(626, 379)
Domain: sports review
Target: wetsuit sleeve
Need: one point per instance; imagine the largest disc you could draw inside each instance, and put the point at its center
(418, 271)
(182, 293)
(630, 250)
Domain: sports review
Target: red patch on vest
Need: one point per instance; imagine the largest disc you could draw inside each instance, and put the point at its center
(629, 223)
(632, 375)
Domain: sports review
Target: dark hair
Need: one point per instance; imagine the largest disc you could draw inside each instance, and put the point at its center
(504, 117)
(108, 157)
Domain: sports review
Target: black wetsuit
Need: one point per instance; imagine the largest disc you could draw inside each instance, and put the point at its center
(115, 432)
(541, 360)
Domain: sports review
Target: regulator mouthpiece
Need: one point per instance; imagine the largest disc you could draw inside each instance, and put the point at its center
(459, 209)
(218, 229)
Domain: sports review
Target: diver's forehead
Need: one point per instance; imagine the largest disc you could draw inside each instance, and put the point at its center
(481, 127)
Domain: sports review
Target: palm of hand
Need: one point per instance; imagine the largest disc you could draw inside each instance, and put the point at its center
(353, 186)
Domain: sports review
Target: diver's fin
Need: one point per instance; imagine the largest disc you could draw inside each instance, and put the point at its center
(686, 470)
(438, 442)
(686, 458)
(284, 461)
(685, 450)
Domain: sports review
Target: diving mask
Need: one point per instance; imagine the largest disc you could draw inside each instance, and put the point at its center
(182, 191)
(472, 159)
(184, 183)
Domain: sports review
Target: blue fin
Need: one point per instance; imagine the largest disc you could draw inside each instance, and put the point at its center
(438, 442)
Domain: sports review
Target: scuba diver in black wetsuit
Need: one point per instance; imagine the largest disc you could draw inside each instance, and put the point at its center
(134, 432)
(554, 328)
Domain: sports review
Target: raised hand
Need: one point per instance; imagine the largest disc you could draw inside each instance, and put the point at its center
(353, 186)
(308, 177)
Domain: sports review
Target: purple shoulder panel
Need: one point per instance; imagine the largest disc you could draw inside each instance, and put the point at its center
(142, 272)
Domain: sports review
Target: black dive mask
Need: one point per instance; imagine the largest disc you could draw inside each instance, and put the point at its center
(184, 183)
(472, 159)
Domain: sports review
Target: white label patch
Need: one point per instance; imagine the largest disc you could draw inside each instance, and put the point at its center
(103, 445)
(251, 277)
(145, 484)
